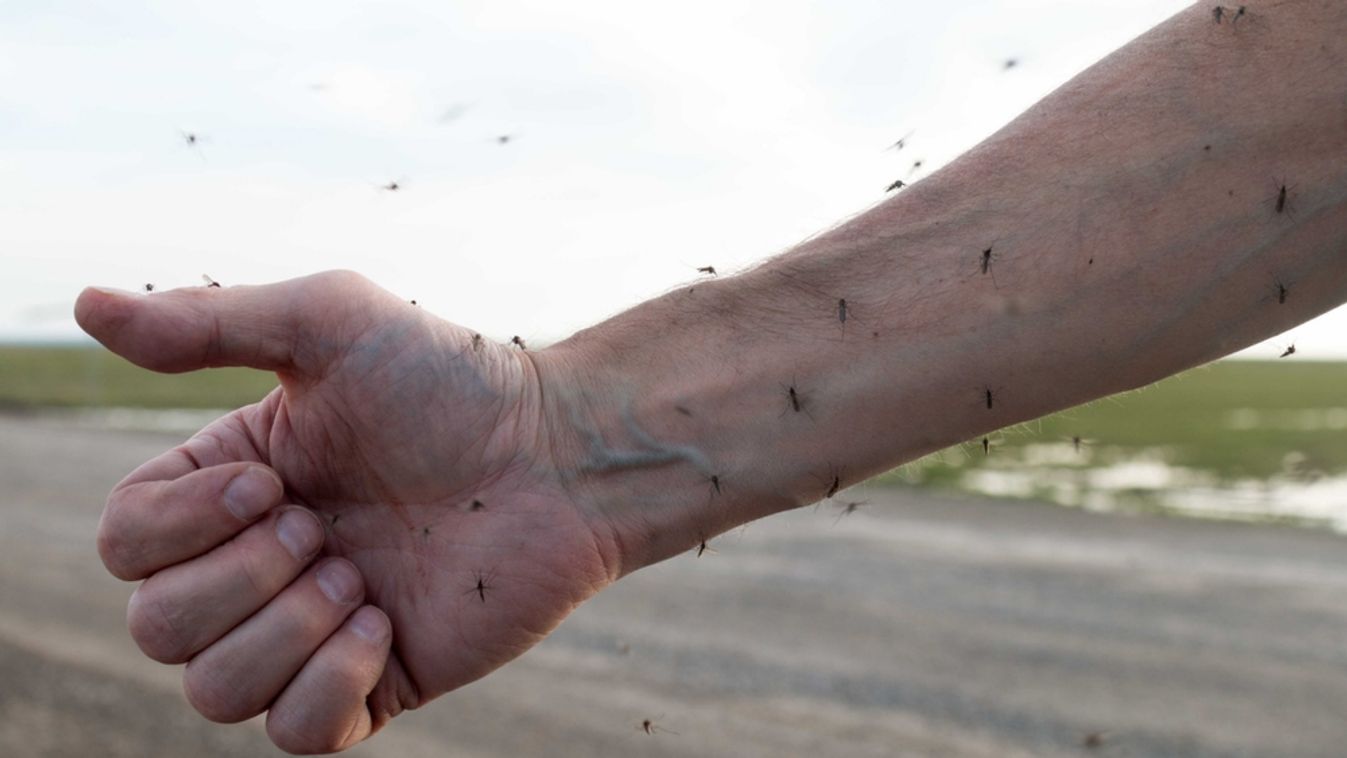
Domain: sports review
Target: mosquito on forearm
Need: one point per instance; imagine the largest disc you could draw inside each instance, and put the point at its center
(704, 547)
(797, 400)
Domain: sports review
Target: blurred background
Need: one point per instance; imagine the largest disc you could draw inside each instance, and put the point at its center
(530, 168)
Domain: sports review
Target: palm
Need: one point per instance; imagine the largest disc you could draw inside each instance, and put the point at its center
(418, 447)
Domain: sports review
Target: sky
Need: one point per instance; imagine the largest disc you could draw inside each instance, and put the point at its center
(646, 140)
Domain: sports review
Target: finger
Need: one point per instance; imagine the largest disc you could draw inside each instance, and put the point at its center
(238, 676)
(149, 525)
(324, 708)
(181, 610)
(261, 327)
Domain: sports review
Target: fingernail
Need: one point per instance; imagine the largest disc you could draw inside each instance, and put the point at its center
(113, 291)
(300, 533)
(339, 581)
(251, 493)
(368, 626)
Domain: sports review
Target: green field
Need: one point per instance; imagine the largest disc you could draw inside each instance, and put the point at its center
(32, 377)
(1273, 422)
(1231, 419)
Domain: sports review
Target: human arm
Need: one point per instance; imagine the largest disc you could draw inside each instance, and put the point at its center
(391, 426)
(1136, 225)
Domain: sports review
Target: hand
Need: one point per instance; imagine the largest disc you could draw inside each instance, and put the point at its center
(385, 526)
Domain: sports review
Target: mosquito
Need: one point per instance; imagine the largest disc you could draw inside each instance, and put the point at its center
(987, 395)
(707, 270)
(149, 287)
(916, 166)
(1281, 293)
(209, 281)
(797, 400)
(715, 484)
(835, 486)
(705, 548)
(483, 584)
(902, 143)
(897, 185)
(476, 342)
(392, 186)
(1291, 350)
(519, 341)
(842, 311)
(650, 727)
(1078, 442)
(477, 505)
(848, 508)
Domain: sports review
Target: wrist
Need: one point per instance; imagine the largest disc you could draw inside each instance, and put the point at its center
(647, 441)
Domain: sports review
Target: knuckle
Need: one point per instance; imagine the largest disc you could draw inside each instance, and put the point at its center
(258, 567)
(155, 628)
(344, 278)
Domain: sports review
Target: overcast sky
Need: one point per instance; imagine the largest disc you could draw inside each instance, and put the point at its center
(646, 140)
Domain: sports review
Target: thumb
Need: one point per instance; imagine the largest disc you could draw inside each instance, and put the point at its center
(263, 327)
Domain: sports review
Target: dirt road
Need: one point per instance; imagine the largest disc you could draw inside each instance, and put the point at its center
(916, 626)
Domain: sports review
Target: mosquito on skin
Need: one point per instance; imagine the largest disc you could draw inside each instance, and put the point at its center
(710, 270)
(898, 184)
(209, 281)
(1282, 291)
(714, 479)
(1283, 202)
(518, 342)
(482, 586)
(149, 287)
(1289, 351)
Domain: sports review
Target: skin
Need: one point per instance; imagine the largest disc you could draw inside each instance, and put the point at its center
(1136, 234)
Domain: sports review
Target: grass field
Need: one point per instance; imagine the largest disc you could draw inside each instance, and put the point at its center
(1280, 424)
(92, 377)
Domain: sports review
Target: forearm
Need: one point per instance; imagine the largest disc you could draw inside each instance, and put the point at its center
(1136, 227)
